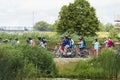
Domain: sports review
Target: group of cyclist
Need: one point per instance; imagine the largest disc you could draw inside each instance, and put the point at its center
(42, 41)
(11, 41)
(97, 46)
(67, 42)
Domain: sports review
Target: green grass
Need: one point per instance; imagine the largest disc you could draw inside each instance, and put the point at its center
(79, 69)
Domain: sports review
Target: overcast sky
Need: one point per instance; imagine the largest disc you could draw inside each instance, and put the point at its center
(20, 12)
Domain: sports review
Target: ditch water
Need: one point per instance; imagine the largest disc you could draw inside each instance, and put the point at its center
(72, 79)
(67, 79)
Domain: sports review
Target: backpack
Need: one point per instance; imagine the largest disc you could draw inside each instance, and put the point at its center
(84, 43)
(110, 43)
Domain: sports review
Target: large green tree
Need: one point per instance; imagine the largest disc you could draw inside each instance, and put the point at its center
(78, 17)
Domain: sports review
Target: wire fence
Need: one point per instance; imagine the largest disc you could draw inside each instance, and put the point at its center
(15, 28)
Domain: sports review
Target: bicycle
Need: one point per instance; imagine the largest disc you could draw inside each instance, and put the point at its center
(82, 53)
(60, 52)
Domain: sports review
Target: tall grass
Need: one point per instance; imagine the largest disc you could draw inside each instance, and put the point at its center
(35, 34)
(110, 62)
(80, 69)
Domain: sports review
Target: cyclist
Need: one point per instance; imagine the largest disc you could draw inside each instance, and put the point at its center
(31, 42)
(40, 40)
(71, 42)
(96, 45)
(110, 43)
(82, 51)
(61, 48)
(82, 43)
(17, 41)
(44, 42)
(105, 42)
(66, 43)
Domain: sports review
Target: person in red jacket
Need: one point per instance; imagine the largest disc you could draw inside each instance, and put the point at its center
(110, 43)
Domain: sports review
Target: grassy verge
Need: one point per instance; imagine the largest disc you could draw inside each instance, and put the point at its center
(106, 65)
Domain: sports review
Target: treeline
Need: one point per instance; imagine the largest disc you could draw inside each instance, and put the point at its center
(44, 26)
(108, 27)
(113, 29)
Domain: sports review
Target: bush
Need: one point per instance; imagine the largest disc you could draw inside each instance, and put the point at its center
(41, 58)
(21, 61)
(11, 63)
(109, 62)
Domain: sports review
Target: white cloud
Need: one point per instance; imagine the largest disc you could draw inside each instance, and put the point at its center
(20, 12)
(13, 11)
(106, 9)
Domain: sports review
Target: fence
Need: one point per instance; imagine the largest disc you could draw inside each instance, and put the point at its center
(15, 28)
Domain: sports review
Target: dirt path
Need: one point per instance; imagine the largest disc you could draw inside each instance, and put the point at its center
(67, 60)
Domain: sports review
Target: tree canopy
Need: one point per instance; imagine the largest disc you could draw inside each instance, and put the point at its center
(78, 17)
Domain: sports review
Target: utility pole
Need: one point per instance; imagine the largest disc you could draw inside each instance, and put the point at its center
(33, 18)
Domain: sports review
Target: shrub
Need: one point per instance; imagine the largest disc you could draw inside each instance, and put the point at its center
(21, 61)
(109, 61)
(11, 61)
